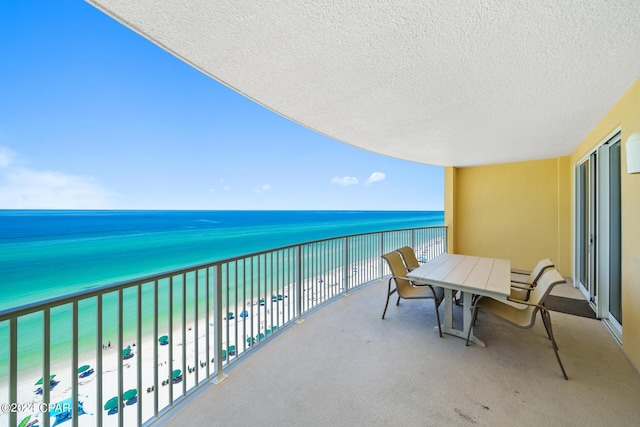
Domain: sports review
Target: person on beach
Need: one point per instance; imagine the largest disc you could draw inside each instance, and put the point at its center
(109, 344)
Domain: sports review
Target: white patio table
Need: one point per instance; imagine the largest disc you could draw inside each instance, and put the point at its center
(471, 275)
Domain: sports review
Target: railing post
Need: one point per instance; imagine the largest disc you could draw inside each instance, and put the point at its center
(346, 265)
(120, 358)
(155, 349)
(413, 238)
(446, 239)
(381, 252)
(185, 367)
(170, 333)
(46, 372)
(139, 352)
(217, 338)
(13, 369)
(298, 287)
(99, 343)
(74, 364)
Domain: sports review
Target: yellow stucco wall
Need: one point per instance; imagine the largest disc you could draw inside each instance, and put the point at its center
(626, 115)
(524, 212)
(517, 211)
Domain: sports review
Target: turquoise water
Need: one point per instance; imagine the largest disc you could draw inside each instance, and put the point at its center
(45, 254)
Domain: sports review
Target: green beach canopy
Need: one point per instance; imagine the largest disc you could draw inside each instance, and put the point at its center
(163, 339)
(176, 373)
(129, 394)
(50, 379)
(126, 351)
(83, 368)
(111, 403)
(24, 422)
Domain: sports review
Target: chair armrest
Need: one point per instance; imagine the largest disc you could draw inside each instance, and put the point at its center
(541, 307)
(519, 281)
(526, 288)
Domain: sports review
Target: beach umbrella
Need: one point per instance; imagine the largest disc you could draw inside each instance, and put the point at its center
(163, 339)
(129, 394)
(24, 421)
(111, 403)
(83, 368)
(244, 314)
(50, 379)
(176, 373)
(126, 351)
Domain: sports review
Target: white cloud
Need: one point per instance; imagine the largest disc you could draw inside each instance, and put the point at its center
(345, 181)
(375, 177)
(6, 157)
(264, 187)
(27, 188)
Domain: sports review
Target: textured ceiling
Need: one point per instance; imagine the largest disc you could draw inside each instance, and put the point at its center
(445, 82)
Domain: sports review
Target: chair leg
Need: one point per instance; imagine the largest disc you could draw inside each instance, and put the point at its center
(385, 305)
(553, 341)
(389, 292)
(473, 321)
(436, 305)
(546, 320)
(398, 302)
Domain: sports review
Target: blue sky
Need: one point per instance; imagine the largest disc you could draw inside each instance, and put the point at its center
(94, 116)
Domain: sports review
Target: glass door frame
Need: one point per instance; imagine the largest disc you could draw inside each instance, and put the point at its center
(597, 191)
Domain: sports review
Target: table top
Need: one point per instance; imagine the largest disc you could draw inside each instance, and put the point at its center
(478, 275)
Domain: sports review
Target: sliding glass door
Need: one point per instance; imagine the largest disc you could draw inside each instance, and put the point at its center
(586, 226)
(598, 231)
(615, 236)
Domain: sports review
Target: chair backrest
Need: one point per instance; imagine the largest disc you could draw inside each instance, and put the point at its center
(547, 281)
(540, 268)
(398, 271)
(409, 257)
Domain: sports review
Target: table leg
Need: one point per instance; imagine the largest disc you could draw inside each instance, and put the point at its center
(448, 310)
(466, 318)
(447, 327)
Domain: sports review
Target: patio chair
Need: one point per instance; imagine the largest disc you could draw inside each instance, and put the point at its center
(520, 289)
(407, 289)
(411, 262)
(409, 257)
(524, 317)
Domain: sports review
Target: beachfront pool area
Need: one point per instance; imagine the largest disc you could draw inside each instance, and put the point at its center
(126, 353)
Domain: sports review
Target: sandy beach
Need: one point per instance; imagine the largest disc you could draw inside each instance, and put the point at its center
(239, 331)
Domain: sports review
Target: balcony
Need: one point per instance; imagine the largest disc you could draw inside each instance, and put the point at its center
(128, 353)
(344, 366)
(301, 343)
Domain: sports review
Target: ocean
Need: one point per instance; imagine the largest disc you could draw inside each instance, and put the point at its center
(50, 253)
(44, 254)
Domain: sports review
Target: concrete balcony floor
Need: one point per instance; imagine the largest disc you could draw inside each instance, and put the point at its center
(344, 366)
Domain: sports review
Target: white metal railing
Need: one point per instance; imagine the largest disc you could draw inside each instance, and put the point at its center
(177, 330)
